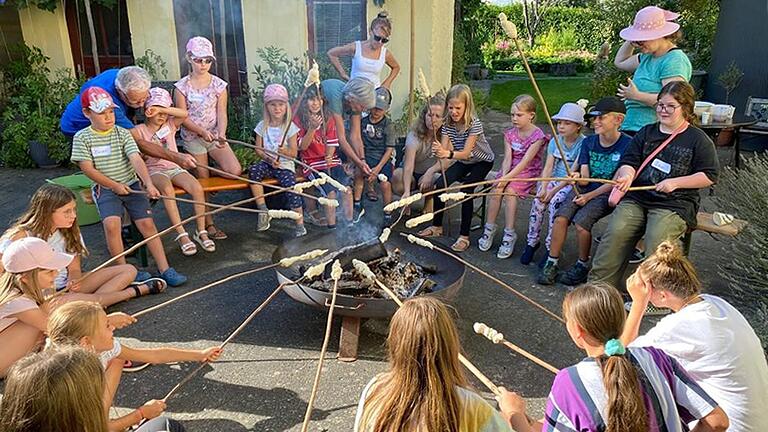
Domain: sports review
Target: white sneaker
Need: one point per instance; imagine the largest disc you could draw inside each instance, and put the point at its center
(507, 246)
(486, 241)
(263, 223)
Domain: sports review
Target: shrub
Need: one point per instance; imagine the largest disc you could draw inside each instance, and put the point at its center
(459, 62)
(605, 79)
(155, 66)
(507, 64)
(742, 193)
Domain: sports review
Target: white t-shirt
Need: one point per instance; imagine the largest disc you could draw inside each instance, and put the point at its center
(720, 350)
(59, 244)
(272, 139)
(108, 356)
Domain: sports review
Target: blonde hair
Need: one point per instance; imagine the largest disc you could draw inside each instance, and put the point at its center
(59, 389)
(669, 270)
(73, 321)
(599, 310)
(462, 93)
(525, 103)
(382, 20)
(419, 127)
(37, 220)
(424, 372)
(287, 119)
(13, 286)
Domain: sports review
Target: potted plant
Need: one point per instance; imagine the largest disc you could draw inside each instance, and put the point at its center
(729, 80)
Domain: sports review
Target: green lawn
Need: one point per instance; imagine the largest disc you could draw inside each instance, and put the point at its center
(557, 91)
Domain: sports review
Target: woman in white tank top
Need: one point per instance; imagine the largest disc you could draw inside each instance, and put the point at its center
(369, 56)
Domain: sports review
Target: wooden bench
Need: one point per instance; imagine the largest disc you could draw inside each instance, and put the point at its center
(705, 224)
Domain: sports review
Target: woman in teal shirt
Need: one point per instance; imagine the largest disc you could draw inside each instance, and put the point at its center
(659, 62)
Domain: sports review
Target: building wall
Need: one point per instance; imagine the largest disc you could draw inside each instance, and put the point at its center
(155, 31)
(48, 31)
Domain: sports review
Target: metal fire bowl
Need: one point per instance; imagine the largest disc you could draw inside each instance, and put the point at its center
(448, 278)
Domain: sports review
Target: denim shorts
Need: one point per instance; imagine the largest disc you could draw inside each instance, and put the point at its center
(585, 216)
(111, 204)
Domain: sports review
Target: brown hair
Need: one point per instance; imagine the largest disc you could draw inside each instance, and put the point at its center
(424, 372)
(420, 128)
(462, 93)
(669, 270)
(599, 310)
(59, 389)
(302, 111)
(525, 103)
(36, 221)
(72, 321)
(382, 20)
(685, 95)
(675, 37)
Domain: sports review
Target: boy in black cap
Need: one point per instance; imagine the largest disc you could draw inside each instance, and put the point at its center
(379, 145)
(585, 205)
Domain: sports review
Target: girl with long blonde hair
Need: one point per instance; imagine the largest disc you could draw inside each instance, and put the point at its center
(706, 334)
(618, 389)
(425, 388)
(52, 216)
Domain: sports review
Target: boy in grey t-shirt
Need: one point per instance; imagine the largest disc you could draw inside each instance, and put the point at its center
(379, 144)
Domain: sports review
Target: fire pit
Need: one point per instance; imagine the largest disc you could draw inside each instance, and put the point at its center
(407, 268)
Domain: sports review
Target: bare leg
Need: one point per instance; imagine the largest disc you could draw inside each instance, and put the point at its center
(347, 202)
(493, 207)
(194, 189)
(165, 187)
(386, 191)
(147, 228)
(258, 193)
(510, 202)
(585, 242)
(330, 212)
(17, 340)
(113, 231)
(559, 232)
(397, 182)
(226, 160)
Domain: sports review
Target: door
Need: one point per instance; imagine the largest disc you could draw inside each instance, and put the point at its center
(113, 36)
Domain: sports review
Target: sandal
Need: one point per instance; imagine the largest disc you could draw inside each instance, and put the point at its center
(430, 232)
(215, 233)
(188, 249)
(155, 285)
(460, 245)
(207, 244)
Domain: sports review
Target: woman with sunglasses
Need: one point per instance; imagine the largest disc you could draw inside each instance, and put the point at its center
(658, 63)
(369, 56)
(687, 162)
(204, 96)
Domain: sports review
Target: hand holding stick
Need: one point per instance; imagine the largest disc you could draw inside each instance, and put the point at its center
(494, 336)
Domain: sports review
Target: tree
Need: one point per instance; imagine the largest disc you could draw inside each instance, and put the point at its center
(533, 10)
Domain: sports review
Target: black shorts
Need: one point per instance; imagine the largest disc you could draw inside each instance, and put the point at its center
(587, 215)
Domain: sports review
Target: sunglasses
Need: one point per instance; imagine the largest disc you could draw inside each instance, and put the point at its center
(381, 39)
(205, 60)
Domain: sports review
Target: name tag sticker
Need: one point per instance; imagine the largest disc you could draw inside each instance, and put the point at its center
(615, 157)
(101, 151)
(195, 97)
(661, 166)
(163, 132)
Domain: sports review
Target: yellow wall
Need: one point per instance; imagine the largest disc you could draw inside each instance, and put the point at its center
(48, 31)
(433, 44)
(281, 23)
(155, 31)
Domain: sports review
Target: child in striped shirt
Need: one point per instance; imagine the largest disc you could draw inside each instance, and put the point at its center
(616, 388)
(109, 156)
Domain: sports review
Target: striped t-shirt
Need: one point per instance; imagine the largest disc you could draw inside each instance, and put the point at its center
(481, 152)
(108, 151)
(577, 401)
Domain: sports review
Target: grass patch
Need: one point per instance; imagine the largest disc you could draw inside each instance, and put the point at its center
(557, 91)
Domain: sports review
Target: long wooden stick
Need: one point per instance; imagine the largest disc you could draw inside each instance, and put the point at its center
(203, 288)
(232, 335)
(494, 336)
(534, 179)
(205, 203)
(254, 182)
(326, 338)
(493, 278)
(276, 154)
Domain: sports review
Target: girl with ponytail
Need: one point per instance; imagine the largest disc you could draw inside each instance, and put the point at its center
(705, 334)
(618, 389)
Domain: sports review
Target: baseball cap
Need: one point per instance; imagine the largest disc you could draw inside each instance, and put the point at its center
(275, 92)
(383, 98)
(158, 97)
(200, 47)
(31, 253)
(610, 104)
(96, 99)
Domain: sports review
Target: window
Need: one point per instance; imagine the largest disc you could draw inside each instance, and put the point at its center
(335, 22)
(113, 36)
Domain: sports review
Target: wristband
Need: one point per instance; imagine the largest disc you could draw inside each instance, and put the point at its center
(450, 156)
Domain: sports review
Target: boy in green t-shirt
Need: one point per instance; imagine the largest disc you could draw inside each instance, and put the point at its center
(109, 156)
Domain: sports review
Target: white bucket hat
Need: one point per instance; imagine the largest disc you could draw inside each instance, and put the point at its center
(571, 112)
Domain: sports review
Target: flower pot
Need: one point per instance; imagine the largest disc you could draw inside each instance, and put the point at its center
(725, 137)
(39, 153)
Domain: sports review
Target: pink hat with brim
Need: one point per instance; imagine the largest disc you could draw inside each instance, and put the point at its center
(31, 253)
(158, 97)
(669, 15)
(650, 24)
(275, 92)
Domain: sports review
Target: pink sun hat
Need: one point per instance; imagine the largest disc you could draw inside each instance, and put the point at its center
(650, 23)
(158, 97)
(200, 47)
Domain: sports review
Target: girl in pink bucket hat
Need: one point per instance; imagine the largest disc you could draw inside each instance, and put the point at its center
(30, 266)
(204, 96)
(655, 34)
(160, 126)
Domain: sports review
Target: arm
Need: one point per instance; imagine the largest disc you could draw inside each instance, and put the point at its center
(178, 114)
(356, 135)
(336, 52)
(715, 421)
(697, 180)
(290, 148)
(181, 102)
(409, 161)
(35, 317)
(345, 146)
(531, 153)
(259, 141)
(466, 154)
(384, 159)
(630, 91)
(153, 149)
(308, 137)
(221, 115)
(394, 69)
(167, 355)
(626, 59)
(141, 170)
(640, 291)
(624, 177)
(92, 173)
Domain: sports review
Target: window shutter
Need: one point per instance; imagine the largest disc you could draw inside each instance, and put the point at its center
(337, 22)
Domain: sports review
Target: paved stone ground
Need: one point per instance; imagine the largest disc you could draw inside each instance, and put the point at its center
(265, 376)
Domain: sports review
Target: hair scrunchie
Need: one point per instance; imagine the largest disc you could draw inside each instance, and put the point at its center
(614, 347)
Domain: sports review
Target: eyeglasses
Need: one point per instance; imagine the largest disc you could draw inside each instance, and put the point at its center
(381, 39)
(669, 109)
(205, 60)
